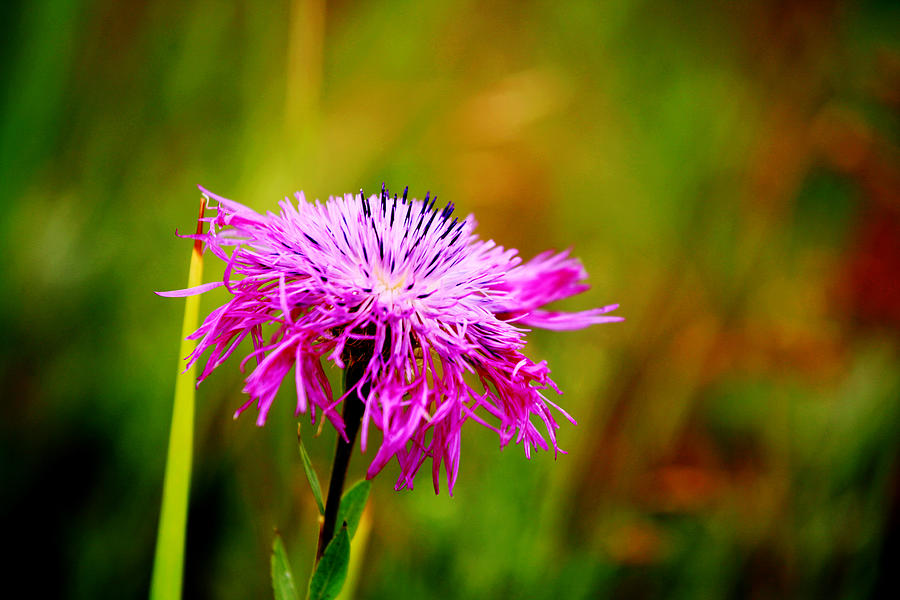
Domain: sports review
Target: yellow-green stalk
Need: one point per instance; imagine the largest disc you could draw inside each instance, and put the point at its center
(168, 564)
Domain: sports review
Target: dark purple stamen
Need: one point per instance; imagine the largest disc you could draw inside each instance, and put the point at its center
(365, 204)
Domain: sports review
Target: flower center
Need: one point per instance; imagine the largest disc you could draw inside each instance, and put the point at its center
(389, 282)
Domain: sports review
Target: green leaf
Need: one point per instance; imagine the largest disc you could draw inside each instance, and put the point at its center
(168, 563)
(352, 504)
(311, 474)
(331, 572)
(282, 578)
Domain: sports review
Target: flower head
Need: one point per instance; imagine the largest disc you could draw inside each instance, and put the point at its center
(437, 316)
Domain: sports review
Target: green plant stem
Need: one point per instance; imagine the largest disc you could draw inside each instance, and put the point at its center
(352, 414)
(168, 563)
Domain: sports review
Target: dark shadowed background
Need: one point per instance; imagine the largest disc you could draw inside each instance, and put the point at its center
(727, 171)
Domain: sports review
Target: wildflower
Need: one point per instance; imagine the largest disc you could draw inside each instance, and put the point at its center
(431, 319)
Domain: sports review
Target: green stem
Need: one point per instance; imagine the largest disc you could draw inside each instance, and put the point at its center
(352, 414)
(168, 564)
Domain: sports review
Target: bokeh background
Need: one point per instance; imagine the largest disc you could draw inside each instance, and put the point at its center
(727, 171)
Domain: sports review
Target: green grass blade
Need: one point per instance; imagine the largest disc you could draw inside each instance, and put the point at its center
(282, 577)
(168, 564)
(352, 504)
(311, 474)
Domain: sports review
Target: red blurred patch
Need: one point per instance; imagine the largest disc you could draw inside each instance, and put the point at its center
(869, 288)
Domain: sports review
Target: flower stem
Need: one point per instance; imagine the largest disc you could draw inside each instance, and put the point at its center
(352, 414)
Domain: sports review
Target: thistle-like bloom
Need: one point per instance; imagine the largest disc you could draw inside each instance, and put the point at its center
(437, 315)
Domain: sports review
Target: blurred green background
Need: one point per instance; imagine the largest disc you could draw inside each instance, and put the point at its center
(728, 171)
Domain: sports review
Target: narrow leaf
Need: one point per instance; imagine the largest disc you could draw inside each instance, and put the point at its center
(357, 555)
(311, 474)
(331, 571)
(168, 563)
(282, 578)
(352, 504)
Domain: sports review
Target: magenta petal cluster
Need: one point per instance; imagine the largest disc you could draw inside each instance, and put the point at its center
(446, 311)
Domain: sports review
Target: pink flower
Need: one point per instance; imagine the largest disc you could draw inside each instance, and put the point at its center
(410, 292)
